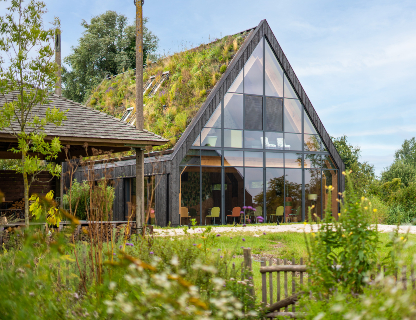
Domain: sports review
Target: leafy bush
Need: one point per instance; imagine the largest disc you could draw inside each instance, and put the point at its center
(79, 196)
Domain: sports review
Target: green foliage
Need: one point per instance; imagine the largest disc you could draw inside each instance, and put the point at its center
(362, 173)
(79, 196)
(349, 241)
(402, 170)
(30, 72)
(223, 68)
(193, 74)
(108, 46)
(9, 164)
(407, 153)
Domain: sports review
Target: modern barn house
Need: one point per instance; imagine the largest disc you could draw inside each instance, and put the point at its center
(252, 146)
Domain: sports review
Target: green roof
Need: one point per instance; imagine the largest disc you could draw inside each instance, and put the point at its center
(193, 74)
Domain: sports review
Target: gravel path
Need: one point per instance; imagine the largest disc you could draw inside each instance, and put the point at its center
(259, 229)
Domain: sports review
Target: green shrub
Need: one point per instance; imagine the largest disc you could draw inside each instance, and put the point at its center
(223, 68)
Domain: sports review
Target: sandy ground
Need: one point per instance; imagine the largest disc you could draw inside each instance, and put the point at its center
(260, 229)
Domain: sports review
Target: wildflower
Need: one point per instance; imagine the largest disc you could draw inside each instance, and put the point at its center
(250, 278)
(219, 250)
(244, 239)
(244, 207)
(374, 210)
(351, 233)
(194, 244)
(313, 234)
(32, 294)
(305, 223)
(218, 235)
(231, 237)
(120, 247)
(362, 198)
(365, 208)
(401, 238)
(221, 257)
(264, 233)
(151, 252)
(343, 172)
(242, 247)
(114, 254)
(244, 225)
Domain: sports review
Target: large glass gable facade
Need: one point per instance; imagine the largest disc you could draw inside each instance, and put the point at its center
(258, 150)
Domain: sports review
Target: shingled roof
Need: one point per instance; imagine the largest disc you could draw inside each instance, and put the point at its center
(83, 124)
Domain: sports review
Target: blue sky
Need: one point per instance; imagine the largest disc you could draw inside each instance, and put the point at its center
(355, 59)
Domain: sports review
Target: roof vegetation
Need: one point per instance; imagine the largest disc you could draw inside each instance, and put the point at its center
(193, 74)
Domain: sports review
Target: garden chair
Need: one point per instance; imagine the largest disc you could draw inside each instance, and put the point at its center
(184, 213)
(279, 213)
(259, 213)
(215, 213)
(235, 213)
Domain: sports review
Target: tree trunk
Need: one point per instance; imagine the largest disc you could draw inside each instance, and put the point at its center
(26, 191)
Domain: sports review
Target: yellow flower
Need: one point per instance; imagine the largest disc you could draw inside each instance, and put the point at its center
(343, 235)
(305, 223)
(343, 172)
(313, 234)
(365, 208)
(339, 214)
(362, 198)
(374, 210)
(351, 233)
(401, 238)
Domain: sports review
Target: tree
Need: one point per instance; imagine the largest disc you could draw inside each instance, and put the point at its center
(30, 73)
(407, 153)
(108, 46)
(400, 169)
(363, 174)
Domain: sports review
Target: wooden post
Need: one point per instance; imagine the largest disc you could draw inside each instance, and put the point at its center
(293, 283)
(271, 282)
(278, 282)
(285, 284)
(139, 117)
(58, 87)
(263, 283)
(248, 265)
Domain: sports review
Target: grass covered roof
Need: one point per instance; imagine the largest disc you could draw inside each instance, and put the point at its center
(193, 74)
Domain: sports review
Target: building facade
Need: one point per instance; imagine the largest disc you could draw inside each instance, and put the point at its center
(256, 147)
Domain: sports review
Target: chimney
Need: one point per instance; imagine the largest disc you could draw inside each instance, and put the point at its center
(58, 87)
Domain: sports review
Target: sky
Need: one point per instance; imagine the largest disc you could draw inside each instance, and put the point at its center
(355, 59)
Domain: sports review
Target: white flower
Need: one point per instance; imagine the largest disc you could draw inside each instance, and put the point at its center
(174, 261)
(112, 285)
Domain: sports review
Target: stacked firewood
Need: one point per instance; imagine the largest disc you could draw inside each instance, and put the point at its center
(18, 205)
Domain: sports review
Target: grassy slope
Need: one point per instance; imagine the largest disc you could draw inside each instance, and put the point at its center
(193, 74)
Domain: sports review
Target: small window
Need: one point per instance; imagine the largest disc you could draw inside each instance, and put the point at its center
(253, 113)
(274, 114)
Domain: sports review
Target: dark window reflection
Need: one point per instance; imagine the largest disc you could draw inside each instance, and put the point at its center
(234, 193)
(274, 114)
(211, 194)
(254, 191)
(313, 193)
(253, 113)
(275, 194)
(293, 195)
(189, 194)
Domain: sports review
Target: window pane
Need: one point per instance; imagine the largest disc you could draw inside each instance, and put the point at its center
(253, 71)
(293, 141)
(313, 193)
(308, 126)
(274, 194)
(253, 139)
(211, 195)
(189, 194)
(288, 89)
(215, 120)
(233, 138)
(197, 142)
(233, 158)
(312, 161)
(274, 114)
(233, 111)
(328, 163)
(237, 85)
(330, 178)
(211, 137)
(191, 159)
(293, 194)
(254, 191)
(211, 157)
(293, 160)
(253, 113)
(253, 159)
(234, 193)
(312, 142)
(274, 140)
(274, 159)
(293, 116)
(274, 74)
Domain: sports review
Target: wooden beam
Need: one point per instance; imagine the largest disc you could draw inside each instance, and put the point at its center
(278, 268)
(285, 302)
